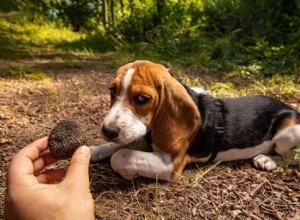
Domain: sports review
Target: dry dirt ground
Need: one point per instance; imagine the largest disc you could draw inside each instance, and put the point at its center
(235, 190)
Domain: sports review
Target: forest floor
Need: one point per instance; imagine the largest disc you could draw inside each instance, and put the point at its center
(29, 109)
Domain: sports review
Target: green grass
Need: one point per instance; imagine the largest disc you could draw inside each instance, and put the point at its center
(21, 39)
(32, 34)
(229, 62)
(73, 64)
(30, 73)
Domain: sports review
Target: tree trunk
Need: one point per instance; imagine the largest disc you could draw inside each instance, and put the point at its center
(105, 14)
(112, 14)
(122, 7)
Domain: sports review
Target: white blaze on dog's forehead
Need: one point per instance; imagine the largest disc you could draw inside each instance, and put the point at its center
(118, 105)
(127, 81)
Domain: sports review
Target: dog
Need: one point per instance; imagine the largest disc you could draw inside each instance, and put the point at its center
(183, 125)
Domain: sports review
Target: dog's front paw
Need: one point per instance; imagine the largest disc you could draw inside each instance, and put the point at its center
(103, 151)
(264, 162)
(123, 163)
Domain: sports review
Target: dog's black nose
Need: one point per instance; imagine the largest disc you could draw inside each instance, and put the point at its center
(110, 132)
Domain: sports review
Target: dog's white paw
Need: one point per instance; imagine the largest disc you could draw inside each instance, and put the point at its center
(264, 162)
(124, 163)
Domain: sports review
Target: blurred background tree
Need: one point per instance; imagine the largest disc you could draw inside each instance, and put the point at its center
(214, 35)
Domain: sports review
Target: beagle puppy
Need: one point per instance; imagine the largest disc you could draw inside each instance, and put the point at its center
(183, 125)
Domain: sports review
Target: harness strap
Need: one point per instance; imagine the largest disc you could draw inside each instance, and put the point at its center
(219, 129)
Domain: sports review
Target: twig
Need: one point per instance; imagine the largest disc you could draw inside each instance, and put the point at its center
(3, 191)
(93, 120)
(264, 201)
(257, 188)
(205, 170)
(251, 215)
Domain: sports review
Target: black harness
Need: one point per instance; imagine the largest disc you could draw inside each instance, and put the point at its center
(211, 129)
(219, 129)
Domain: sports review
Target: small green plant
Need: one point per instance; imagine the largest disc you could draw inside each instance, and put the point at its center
(296, 149)
(188, 81)
(203, 171)
(156, 199)
(287, 162)
(142, 210)
(283, 167)
(157, 209)
(223, 89)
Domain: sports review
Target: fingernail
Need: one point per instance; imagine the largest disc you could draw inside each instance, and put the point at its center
(85, 150)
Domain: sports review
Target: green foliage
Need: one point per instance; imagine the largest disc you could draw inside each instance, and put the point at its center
(74, 13)
(258, 37)
(8, 6)
(86, 43)
(255, 19)
(134, 26)
(20, 39)
(297, 153)
(283, 167)
(218, 35)
(24, 73)
(224, 89)
(73, 64)
(29, 34)
(33, 10)
(188, 81)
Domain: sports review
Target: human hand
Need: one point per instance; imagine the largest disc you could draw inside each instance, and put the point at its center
(29, 196)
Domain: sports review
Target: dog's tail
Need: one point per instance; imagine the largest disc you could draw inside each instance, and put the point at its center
(283, 119)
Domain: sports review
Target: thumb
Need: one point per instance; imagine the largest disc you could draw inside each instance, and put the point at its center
(78, 171)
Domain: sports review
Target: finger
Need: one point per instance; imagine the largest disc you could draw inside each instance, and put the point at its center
(33, 150)
(78, 171)
(51, 176)
(40, 163)
(21, 167)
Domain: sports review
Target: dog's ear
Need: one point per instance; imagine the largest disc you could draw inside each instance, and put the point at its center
(176, 118)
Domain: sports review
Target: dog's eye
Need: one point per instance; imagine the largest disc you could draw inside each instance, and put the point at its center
(141, 100)
(112, 92)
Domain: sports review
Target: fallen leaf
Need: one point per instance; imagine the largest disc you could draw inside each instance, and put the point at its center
(4, 141)
(8, 158)
(194, 211)
(235, 213)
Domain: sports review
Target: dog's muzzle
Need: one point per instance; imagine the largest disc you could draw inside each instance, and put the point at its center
(110, 132)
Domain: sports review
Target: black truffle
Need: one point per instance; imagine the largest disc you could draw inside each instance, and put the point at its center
(65, 138)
